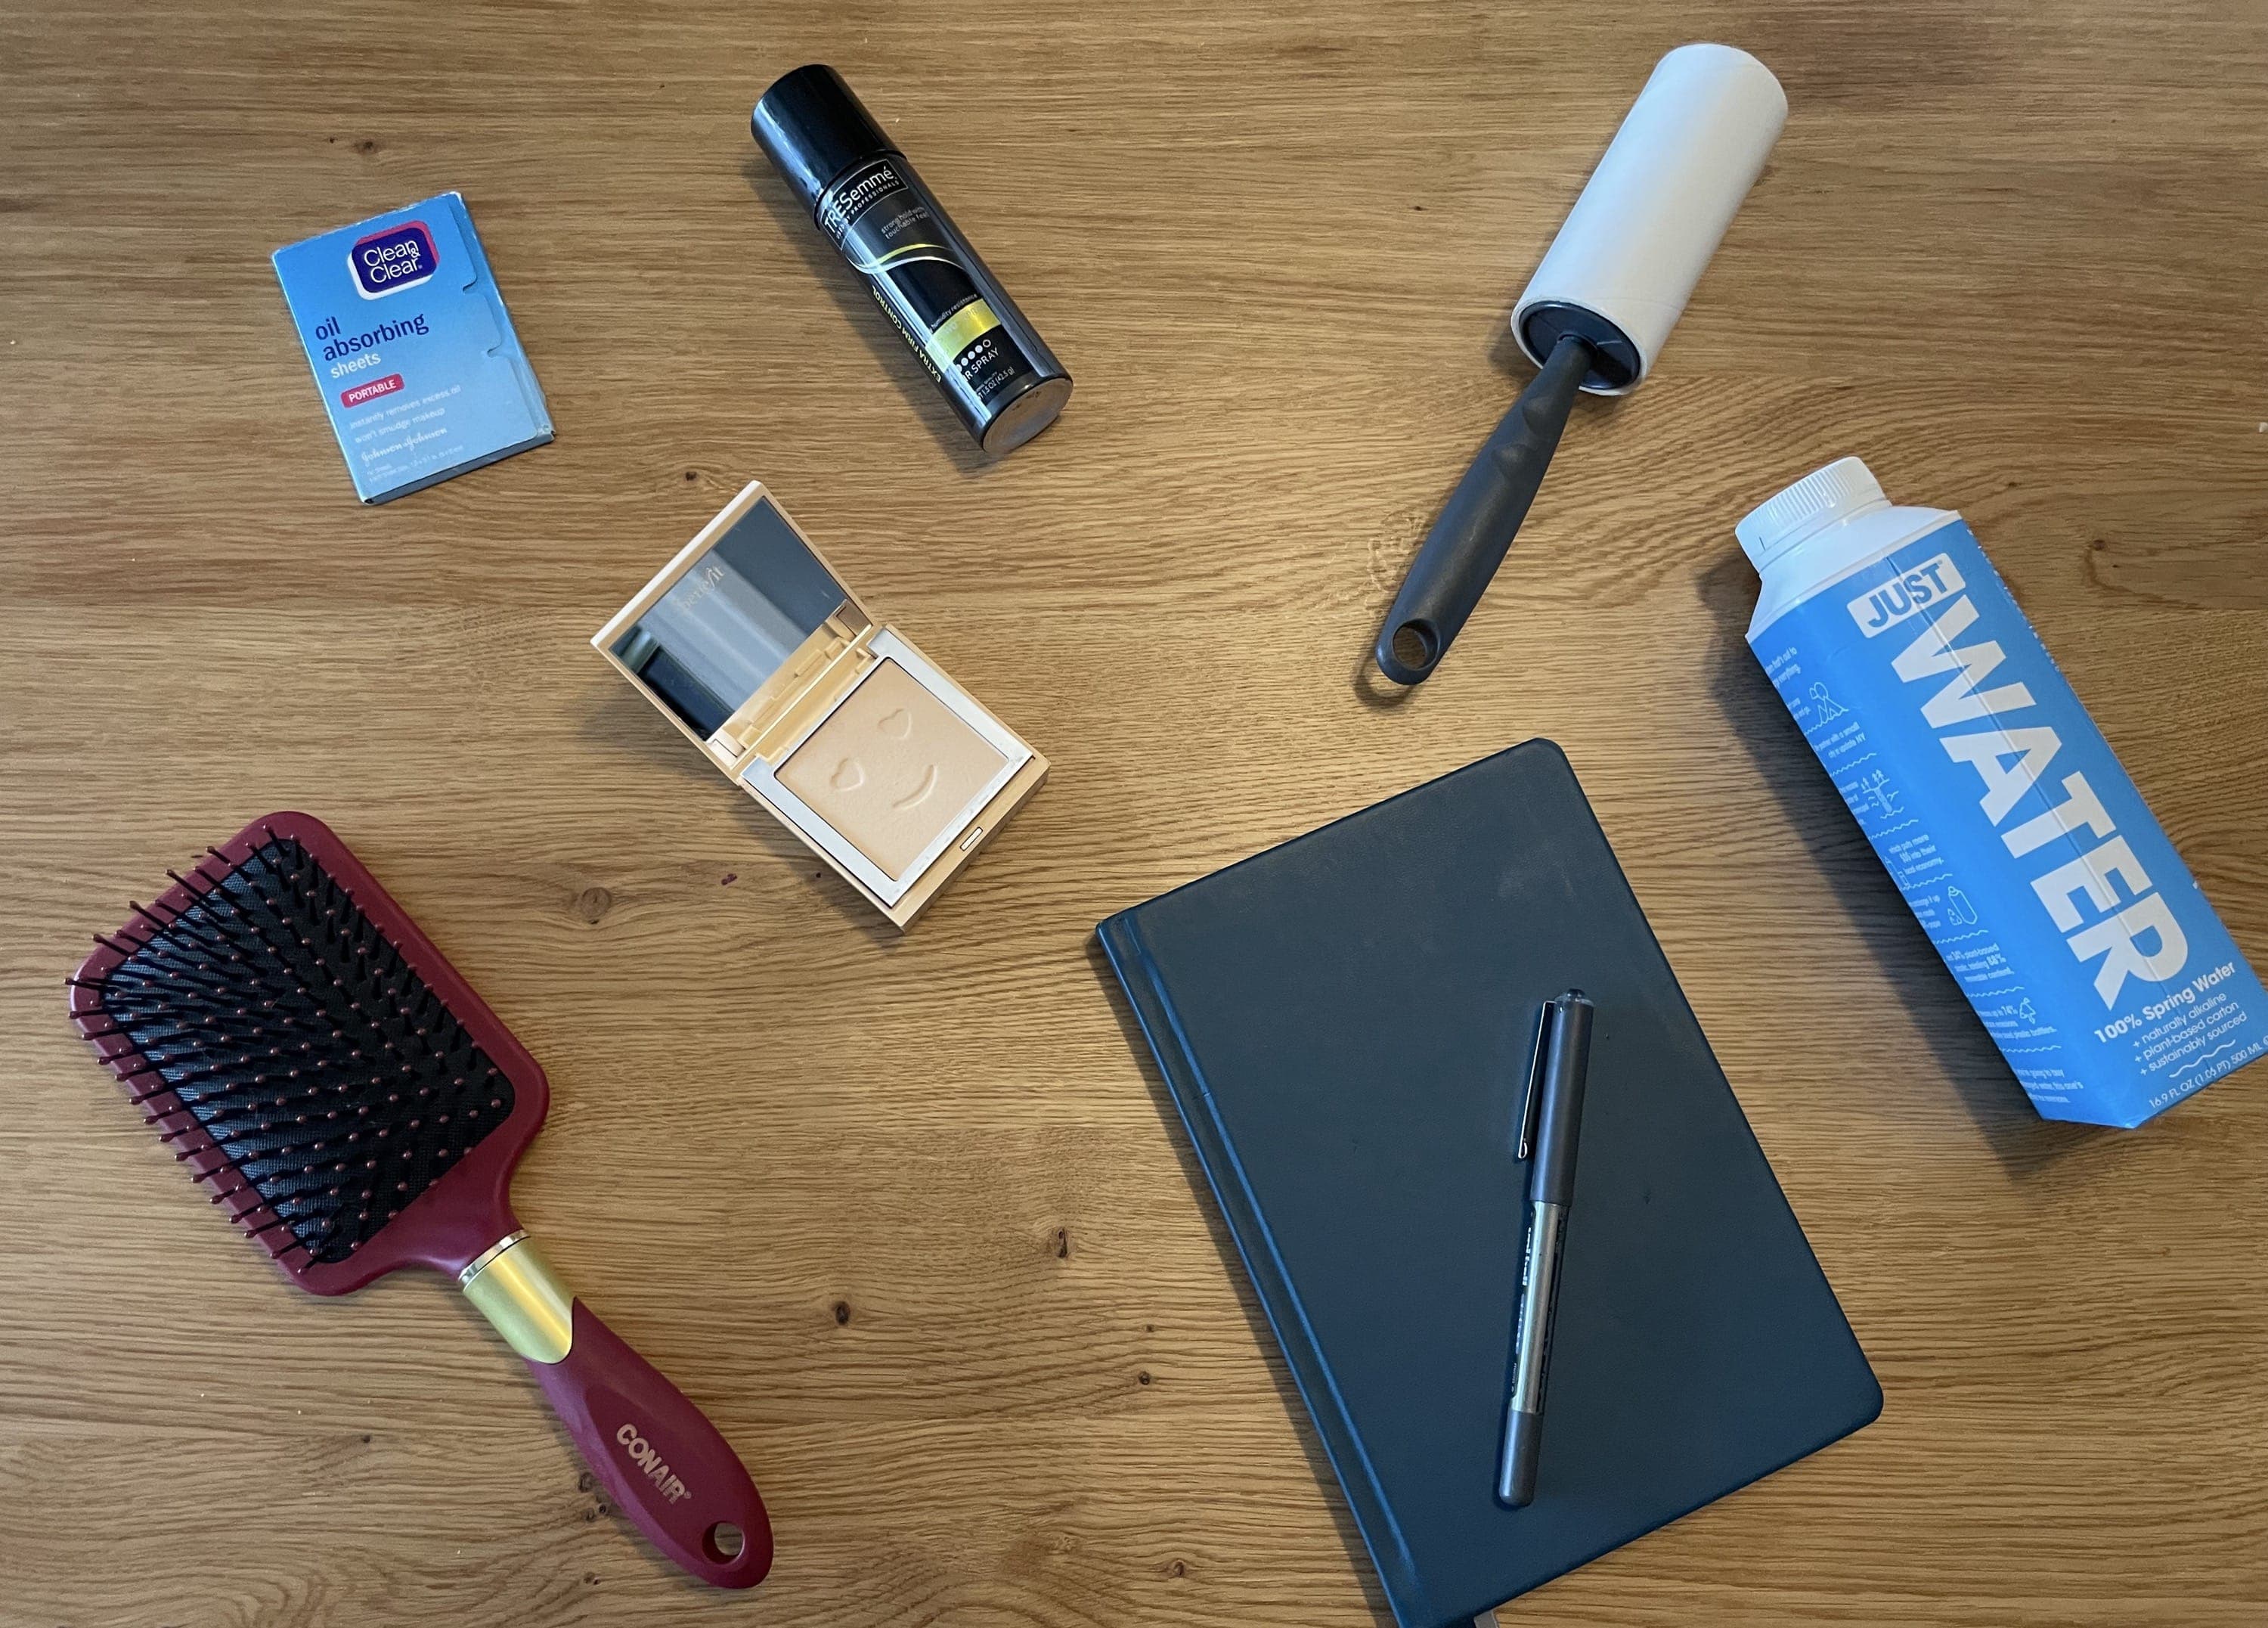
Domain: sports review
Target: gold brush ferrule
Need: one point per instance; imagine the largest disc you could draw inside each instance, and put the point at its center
(515, 1289)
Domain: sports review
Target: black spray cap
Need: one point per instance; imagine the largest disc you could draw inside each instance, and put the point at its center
(814, 128)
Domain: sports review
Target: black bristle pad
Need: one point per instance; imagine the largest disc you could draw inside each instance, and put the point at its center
(332, 1079)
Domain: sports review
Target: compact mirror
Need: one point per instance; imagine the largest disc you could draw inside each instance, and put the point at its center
(732, 620)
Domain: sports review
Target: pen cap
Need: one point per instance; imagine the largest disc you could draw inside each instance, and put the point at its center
(1654, 211)
(1563, 1065)
(813, 128)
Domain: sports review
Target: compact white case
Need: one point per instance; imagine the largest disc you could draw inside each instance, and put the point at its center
(841, 727)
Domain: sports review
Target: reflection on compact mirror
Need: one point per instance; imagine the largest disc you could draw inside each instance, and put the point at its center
(732, 620)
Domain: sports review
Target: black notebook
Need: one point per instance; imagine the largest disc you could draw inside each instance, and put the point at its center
(1345, 1023)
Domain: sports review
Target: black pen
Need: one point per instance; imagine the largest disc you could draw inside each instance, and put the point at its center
(1550, 1122)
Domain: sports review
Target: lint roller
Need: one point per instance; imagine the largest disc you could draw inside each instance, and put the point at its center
(1595, 315)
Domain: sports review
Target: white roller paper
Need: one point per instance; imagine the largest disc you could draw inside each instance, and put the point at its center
(1658, 204)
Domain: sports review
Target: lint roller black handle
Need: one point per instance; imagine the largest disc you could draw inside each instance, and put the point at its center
(1477, 524)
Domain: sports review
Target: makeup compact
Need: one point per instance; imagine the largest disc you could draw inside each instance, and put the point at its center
(849, 736)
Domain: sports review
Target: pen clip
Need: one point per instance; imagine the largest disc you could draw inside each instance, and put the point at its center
(1531, 1104)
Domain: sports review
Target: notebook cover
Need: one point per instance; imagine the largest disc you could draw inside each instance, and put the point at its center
(416, 357)
(1345, 1022)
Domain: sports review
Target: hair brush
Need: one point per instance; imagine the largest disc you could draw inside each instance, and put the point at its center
(354, 1108)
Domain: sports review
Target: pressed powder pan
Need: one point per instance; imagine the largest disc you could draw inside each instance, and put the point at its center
(891, 768)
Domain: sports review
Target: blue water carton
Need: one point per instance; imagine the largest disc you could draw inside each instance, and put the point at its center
(2019, 841)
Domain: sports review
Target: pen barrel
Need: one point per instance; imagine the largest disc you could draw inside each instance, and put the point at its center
(1539, 1292)
(1539, 1296)
(1562, 1061)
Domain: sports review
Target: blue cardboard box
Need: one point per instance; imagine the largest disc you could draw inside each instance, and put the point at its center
(411, 347)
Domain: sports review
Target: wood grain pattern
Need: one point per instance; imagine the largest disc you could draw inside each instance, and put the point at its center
(907, 1216)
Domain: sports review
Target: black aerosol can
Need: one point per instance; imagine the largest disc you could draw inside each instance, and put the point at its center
(1002, 379)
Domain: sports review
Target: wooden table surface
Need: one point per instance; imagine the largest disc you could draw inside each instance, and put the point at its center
(909, 1216)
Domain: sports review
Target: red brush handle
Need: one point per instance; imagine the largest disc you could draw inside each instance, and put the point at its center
(657, 1454)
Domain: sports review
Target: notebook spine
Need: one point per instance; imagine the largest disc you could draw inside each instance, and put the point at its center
(1381, 1534)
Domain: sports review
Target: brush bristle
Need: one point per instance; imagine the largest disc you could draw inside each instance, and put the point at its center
(326, 1074)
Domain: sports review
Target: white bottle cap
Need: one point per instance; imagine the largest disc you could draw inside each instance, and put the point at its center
(1842, 488)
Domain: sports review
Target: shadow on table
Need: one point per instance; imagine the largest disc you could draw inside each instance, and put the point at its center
(1193, 1172)
(2024, 1143)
